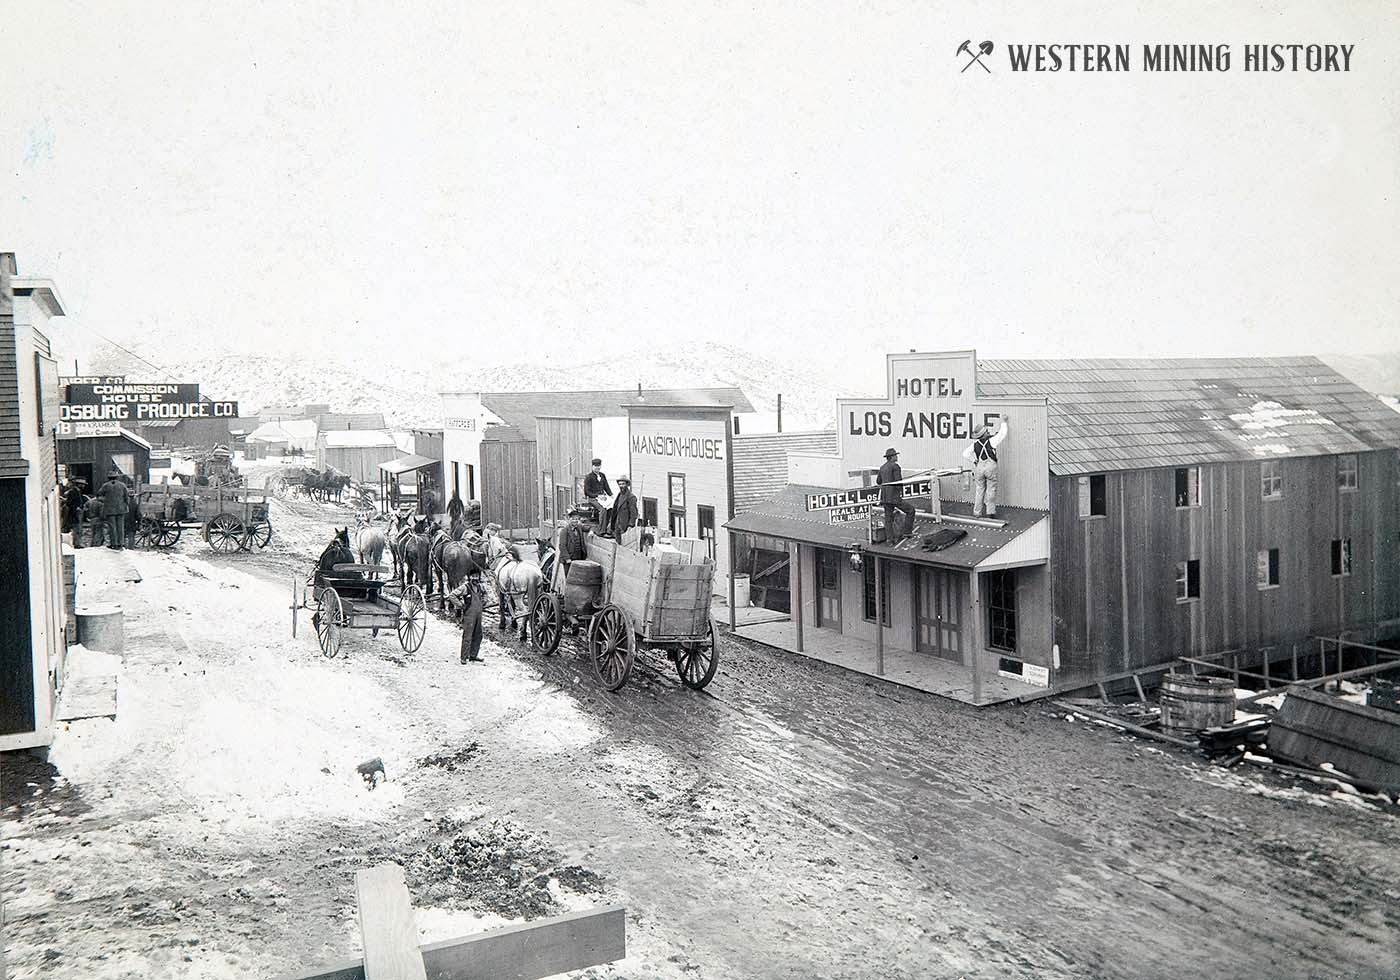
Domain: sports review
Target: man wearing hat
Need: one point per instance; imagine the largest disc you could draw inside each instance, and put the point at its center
(981, 453)
(892, 496)
(114, 507)
(625, 510)
(596, 485)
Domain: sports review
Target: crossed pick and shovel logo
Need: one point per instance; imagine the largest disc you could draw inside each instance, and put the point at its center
(983, 49)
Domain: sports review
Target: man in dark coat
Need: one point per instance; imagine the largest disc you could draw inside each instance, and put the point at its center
(596, 485)
(625, 510)
(468, 593)
(892, 496)
(455, 508)
(133, 518)
(115, 501)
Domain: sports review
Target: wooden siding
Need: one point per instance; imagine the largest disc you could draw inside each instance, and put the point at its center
(98, 453)
(508, 484)
(1114, 578)
(12, 463)
(360, 463)
(761, 462)
(565, 451)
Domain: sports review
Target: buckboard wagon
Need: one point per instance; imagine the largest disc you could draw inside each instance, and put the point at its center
(364, 597)
(229, 518)
(626, 599)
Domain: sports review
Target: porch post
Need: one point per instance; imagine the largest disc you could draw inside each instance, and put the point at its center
(795, 577)
(733, 550)
(975, 636)
(879, 617)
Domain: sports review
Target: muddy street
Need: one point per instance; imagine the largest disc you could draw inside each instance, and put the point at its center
(794, 820)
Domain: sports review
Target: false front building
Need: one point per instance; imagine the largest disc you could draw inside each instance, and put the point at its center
(1147, 510)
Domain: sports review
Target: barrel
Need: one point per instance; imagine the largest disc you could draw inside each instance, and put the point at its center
(581, 585)
(741, 591)
(100, 627)
(1193, 704)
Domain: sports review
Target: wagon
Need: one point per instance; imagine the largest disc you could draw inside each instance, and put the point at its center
(360, 597)
(659, 600)
(229, 518)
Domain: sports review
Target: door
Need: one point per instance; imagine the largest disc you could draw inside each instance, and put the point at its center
(705, 518)
(457, 480)
(829, 588)
(938, 613)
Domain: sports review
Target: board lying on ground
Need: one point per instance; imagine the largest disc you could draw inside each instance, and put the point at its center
(1363, 742)
(229, 518)
(626, 599)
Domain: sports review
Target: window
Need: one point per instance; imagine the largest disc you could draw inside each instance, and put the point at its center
(678, 524)
(675, 485)
(456, 479)
(1188, 580)
(1188, 486)
(705, 518)
(649, 511)
(868, 570)
(1346, 472)
(1341, 556)
(1001, 610)
(546, 497)
(1270, 480)
(1093, 496)
(564, 501)
(1266, 569)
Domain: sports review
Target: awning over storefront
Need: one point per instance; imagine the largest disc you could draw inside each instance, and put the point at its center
(1022, 540)
(408, 464)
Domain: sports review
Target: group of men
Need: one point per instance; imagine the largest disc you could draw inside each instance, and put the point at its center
(981, 457)
(109, 516)
(616, 512)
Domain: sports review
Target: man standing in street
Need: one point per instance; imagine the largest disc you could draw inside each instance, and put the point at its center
(468, 593)
(455, 507)
(115, 502)
(624, 510)
(982, 454)
(892, 499)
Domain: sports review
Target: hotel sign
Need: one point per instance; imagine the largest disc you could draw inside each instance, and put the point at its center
(863, 496)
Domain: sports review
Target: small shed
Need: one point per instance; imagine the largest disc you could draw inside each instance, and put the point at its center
(91, 458)
(356, 452)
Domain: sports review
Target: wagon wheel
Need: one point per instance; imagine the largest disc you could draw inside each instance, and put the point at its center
(225, 534)
(412, 619)
(613, 647)
(546, 623)
(328, 621)
(147, 530)
(697, 662)
(165, 534)
(259, 533)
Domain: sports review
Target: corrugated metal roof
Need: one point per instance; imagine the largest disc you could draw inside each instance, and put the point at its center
(521, 408)
(1115, 414)
(761, 462)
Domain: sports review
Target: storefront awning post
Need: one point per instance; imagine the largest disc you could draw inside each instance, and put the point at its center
(975, 635)
(879, 617)
(733, 550)
(795, 592)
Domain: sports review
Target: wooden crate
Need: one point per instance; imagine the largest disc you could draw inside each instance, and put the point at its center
(1363, 742)
(663, 599)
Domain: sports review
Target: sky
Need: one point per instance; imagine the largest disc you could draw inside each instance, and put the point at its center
(818, 178)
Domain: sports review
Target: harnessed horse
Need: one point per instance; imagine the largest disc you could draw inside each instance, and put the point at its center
(514, 578)
(370, 541)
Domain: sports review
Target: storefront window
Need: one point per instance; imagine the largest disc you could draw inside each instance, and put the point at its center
(868, 570)
(678, 527)
(1001, 609)
(649, 511)
(705, 518)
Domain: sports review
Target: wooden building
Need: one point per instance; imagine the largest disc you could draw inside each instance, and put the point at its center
(1148, 509)
(355, 452)
(31, 601)
(91, 456)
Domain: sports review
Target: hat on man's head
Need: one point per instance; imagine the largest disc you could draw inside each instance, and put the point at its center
(623, 479)
(114, 472)
(891, 452)
(982, 431)
(597, 462)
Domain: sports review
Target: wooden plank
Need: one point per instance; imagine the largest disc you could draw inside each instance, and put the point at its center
(530, 951)
(1128, 726)
(386, 925)
(88, 697)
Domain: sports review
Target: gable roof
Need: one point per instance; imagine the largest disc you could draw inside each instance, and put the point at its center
(522, 408)
(357, 439)
(1136, 413)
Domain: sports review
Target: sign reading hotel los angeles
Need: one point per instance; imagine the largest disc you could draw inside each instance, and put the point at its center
(930, 412)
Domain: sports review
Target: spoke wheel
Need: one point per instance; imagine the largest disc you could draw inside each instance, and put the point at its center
(260, 533)
(546, 623)
(696, 663)
(166, 534)
(412, 620)
(147, 531)
(613, 647)
(329, 621)
(225, 534)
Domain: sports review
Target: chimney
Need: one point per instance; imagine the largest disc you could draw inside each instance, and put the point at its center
(639, 392)
(780, 411)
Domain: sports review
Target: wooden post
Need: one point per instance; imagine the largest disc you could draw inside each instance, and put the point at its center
(879, 617)
(1267, 682)
(795, 575)
(734, 550)
(976, 636)
(386, 925)
(1295, 662)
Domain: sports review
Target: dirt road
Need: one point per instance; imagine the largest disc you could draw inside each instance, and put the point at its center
(794, 821)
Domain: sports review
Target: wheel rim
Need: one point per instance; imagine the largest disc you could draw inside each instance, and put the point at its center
(166, 535)
(225, 533)
(546, 623)
(412, 621)
(696, 665)
(328, 622)
(613, 649)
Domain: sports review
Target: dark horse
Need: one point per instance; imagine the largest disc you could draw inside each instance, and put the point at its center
(453, 560)
(410, 541)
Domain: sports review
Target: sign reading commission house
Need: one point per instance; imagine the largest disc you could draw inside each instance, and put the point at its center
(115, 401)
(122, 393)
(929, 414)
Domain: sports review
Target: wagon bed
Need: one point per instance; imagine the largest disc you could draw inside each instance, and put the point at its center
(229, 518)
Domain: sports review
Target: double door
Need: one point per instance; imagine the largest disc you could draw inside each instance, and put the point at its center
(938, 604)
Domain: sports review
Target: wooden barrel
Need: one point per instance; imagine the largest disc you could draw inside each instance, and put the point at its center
(581, 585)
(100, 628)
(1193, 704)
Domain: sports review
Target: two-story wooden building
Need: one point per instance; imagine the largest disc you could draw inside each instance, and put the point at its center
(1148, 509)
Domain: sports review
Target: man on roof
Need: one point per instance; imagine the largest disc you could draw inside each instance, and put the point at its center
(890, 478)
(982, 454)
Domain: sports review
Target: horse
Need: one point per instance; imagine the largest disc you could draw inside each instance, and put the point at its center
(369, 542)
(547, 556)
(413, 546)
(514, 577)
(453, 560)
